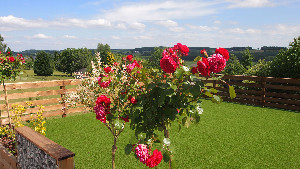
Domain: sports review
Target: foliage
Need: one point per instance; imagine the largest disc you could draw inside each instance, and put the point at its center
(233, 66)
(71, 60)
(10, 66)
(2, 44)
(287, 62)
(247, 59)
(261, 68)
(38, 123)
(7, 133)
(154, 60)
(105, 53)
(42, 64)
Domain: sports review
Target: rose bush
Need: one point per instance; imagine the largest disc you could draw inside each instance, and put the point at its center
(150, 99)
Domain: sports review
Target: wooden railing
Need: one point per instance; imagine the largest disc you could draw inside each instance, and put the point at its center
(281, 93)
(46, 93)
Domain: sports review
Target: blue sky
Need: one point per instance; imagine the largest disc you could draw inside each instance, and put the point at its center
(61, 24)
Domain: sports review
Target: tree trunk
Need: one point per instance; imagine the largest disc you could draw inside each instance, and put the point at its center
(166, 134)
(6, 100)
(114, 149)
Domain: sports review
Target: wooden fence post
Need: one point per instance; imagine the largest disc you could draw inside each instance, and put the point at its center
(263, 91)
(64, 109)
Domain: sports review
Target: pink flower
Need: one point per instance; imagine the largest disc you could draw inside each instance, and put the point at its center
(142, 153)
(216, 62)
(223, 52)
(129, 57)
(182, 48)
(11, 59)
(168, 65)
(154, 159)
(203, 67)
(116, 64)
(100, 113)
(107, 69)
(133, 65)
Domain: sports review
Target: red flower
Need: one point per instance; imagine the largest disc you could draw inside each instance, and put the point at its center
(223, 52)
(8, 53)
(216, 62)
(103, 84)
(133, 100)
(183, 49)
(126, 119)
(129, 57)
(154, 159)
(133, 65)
(103, 99)
(194, 70)
(168, 65)
(107, 69)
(11, 59)
(203, 67)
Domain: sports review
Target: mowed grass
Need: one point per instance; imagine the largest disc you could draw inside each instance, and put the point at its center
(228, 136)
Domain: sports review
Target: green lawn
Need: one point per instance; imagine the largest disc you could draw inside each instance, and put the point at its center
(228, 136)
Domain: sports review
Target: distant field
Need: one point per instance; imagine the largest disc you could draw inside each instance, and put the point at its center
(29, 76)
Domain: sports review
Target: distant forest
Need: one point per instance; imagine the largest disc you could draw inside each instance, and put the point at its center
(266, 53)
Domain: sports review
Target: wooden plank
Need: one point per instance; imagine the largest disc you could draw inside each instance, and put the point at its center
(242, 91)
(78, 109)
(283, 95)
(242, 96)
(282, 80)
(40, 84)
(244, 101)
(242, 84)
(282, 106)
(33, 94)
(66, 163)
(50, 147)
(241, 77)
(281, 87)
(9, 158)
(284, 101)
(34, 102)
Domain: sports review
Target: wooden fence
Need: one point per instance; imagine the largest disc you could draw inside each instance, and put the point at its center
(281, 93)
(46, 93)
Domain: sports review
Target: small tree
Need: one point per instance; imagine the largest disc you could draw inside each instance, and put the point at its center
(104, 51)
(42, 64)
(2, 45)
(261, 68)
(287, 62)
(155, 58)
(247, 59)
(233, 66)
(71, 60)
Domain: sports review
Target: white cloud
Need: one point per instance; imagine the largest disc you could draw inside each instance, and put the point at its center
(167, 23)
(202, 28)
(41, 36)
(142, 38)
(244, 31)
(137, 26)
(157, 10)
(115, 37)
(69, 37)
(217, 22)
(249, 3)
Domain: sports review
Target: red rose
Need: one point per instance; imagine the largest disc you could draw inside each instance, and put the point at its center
(203, 67)
(168, 65)
(11, 59)
(133, 100)
(129, 57)
(103, 99)
(194, 70)
(223, 52)
(107, 69)
(154, 159)
(216, 63)
(183, 49)
(126, 119)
